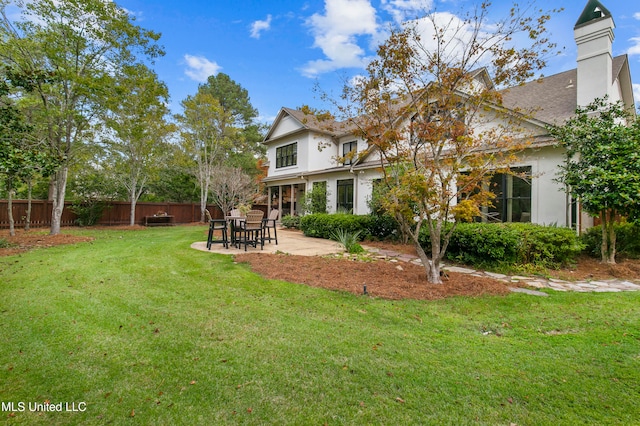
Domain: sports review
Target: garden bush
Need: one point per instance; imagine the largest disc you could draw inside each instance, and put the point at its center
(383, 227)
(323, 225)
(88, 212)
(348, 240)
(627, 240)
(496, 244)
(292, 222)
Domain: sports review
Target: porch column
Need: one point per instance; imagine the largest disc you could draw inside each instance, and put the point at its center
(268, 200)
(293, 197)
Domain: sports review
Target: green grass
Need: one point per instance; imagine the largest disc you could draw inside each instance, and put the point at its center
(137, 322)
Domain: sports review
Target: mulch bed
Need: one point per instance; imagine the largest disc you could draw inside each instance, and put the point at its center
(384, 279)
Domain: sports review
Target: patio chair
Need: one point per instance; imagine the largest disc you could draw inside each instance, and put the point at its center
(216, 224)
(251, 230)
(270, 223)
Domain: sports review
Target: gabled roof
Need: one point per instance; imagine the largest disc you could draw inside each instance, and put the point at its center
(553, 99)
(310, 122)
(593, 11)
(306, 121)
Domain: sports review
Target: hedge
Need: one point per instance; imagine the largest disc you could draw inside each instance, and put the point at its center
(494, 244)
(322, 225)
(479, 244)
(292, 222)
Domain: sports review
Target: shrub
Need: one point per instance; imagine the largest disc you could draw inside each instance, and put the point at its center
(89, 212)
(322, 225)
(383, 227)
(483, 244)
(315, 201)
(4, 243)
(495, 244)
(292, 222)
(348, 240)
(627, 240)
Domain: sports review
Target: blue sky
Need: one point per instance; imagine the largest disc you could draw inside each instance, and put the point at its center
(278, 50)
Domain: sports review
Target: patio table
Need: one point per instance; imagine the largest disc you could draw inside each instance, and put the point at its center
(232, 221)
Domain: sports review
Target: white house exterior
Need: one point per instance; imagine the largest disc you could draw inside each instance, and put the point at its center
(302, 151)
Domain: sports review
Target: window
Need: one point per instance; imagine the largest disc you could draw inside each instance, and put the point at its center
(345, 195)
(437, 123)
(513, 196)
(349, 151)
(287, 155)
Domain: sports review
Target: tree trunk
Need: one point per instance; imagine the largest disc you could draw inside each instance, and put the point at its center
(59, 189)
(608, 246)
(132, 213)
(203, 203)
(432, 267)
(12, 230)
(611, 234)
(133, 197)
(27, 220)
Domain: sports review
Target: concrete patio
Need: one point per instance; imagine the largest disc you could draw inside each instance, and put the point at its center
(289, 241)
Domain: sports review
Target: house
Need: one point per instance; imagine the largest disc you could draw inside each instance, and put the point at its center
(302, 151)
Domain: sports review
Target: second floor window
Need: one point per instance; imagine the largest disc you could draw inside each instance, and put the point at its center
(349, 151)
(287, 155)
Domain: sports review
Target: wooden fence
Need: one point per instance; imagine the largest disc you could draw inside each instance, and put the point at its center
(115, 213)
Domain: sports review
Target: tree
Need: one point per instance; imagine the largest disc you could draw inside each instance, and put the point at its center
(177, 182)
(428, 107)
(208, 136)
(231, 186)
(137, 111)
(83, 42)
(234, 100)
(21, 152)
(602, 164)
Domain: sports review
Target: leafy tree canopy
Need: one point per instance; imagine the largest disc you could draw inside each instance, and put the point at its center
(602, 167)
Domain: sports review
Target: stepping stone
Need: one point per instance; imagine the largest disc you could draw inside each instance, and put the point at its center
(630, 285)
(495, 275)
(536, 284)
(557, 287)
(586, 285)
(527, 291)
(460, 270)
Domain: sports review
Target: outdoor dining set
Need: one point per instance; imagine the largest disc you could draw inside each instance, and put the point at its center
(238, 229)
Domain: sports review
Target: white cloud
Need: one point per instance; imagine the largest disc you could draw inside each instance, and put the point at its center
(336, 34)
(457, 34)
(635, 48)
(200, 68)
(636, 92)
(258, 26)
(134, 15)
(637, 15)
(401, 10)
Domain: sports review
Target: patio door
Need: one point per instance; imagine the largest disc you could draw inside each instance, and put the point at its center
(345, 195)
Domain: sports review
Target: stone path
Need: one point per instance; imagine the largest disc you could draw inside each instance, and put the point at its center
(534, 282)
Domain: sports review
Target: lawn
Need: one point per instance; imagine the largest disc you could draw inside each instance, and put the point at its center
(137, 328)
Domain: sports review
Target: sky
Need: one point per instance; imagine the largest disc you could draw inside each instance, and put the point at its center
(281, 50)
